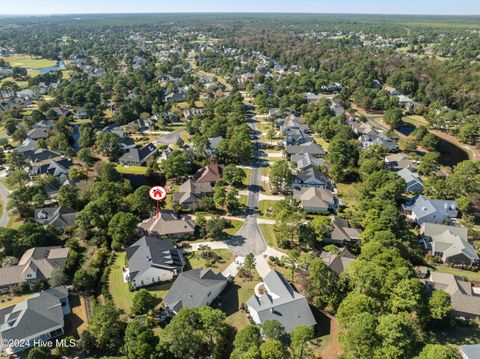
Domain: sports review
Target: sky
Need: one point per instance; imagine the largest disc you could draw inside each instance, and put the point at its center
(434, 7)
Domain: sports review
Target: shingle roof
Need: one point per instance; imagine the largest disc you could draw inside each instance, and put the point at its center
(341, 230)
(58, 217)
(314, 197)
(191, 288)
(138, 154)
(210, 173)
(281, 303)
(168, 223)
(150, 252)
(311, 148)
(337, 262)
(191, 192)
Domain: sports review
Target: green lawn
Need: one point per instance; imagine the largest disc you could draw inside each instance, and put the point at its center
(195, 261)
(236, 225)
(265, 207)
(118, 288)
(27, 61)
(236, 293)
(134, 170)
(475, 276)
(268, 234)
(21, 84)
(348, 192)
(248, 173)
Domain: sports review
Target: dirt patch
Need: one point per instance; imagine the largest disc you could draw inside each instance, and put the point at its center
(332, 349)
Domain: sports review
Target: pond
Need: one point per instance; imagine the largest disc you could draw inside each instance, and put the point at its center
(45, 70)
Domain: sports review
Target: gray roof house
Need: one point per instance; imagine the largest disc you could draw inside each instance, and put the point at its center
(465, 301)
(37, 133)
(152, 260)
(36, 264)
(342, 233)
(138, 156)
(470, 351)
(40, 317)
(190, 194)
(337, 261)
(213, 144)
(53, 167)
(449, 242)
(194, 288)
(413, 183)
(398, 161)
(424, 210)
(280, 302)
(58, 217)
(168, 224)
(311, 177)
(315, 199)
(306, 160)
(305, 148)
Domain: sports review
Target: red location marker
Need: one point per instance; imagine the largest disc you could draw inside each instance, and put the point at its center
(157, 193)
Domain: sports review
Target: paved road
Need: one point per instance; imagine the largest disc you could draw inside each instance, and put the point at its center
(249, 238)
(170, 138)
(4, 193)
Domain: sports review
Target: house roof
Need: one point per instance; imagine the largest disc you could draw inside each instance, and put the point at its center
(424, 206)
(40, 260)
(38, 313)
(150, 252)
(58, 217)
(190, 191)
(210, 173)
(314, 197)
(410, 177)
(306, 160)
(312, 174)
(138, 154)
(399, 160)
(464, 300)
(191, 288)
(37, 133)
(168, 223)
(470, 351)
(337, 262)
(282, 303)
(342, 232)
(309, 147)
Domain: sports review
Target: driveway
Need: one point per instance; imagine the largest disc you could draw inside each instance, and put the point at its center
(169, 138)
(4, 193)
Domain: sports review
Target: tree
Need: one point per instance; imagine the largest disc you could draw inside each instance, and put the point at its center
(408, 144)
(247, 343)
(106, 327)
(428, 164)
(300, 337)
(322, 285)
(436, 351)
(84, 281)
(140, 341)
(233, 175)
(15, 160)
(358, 338)
(249, 262)
(18, 177)
(109, 145)
(39, 353)
(231, 201)
(272, 329)
(57, 278)
(215, 227)
(110, 174)
(140, 203)
(281, 176)
(440, 305)
(393, 118)
(68, 196)
(407, 296)
(343, 155)
(322, 227)
(143, 301)
(273, 349)
(178, 164)
(122, 228)
(87, 136)
(396, 336)
(85, 155)
(219, 196)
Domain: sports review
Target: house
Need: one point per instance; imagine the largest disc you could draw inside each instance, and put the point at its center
(375, 138)
(209, 174)
(337, 109)
(280, 302)
(449, 243)
(58, 217)
(190, 194)
(39, 155)
(53, 167)
(164, 155)
(81, 113)
(360, 128)
(305, 148)
(35, 265)
(139, 125)
(126, 142)
(316, 200)
(470, 351)
(296, 137)
(40, 317)
(465, 300)
(37, 133)
(179, 96)
(406, 102)
(152, 260)
(307, 160)
(213, 144)
(337, 261)
(398, 161)
(424, 210)
(138, 156)
(194, 289)
(28, 145)
(311, 97)
(392, 91)
(311, 177)
(342, 233)
(168, 224)
(413, 183)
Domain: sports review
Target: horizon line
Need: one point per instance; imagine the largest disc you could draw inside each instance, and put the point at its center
(235, 12)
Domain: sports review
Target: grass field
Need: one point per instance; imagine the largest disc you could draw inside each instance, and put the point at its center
(26, 61)
(134, 170)
(268, 234)
(21, 84)
(235, 226)
(195, 261)
(473, 276)
(248, 173)
(265, 207)
(122, 297)
(348, 193)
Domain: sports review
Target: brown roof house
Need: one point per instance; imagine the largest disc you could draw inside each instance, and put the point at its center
(36, 264)
(316, 200)
(209, 174)
(337, 261)
(169, 224)
(342, 233)
(190, 194)
(465, 300)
